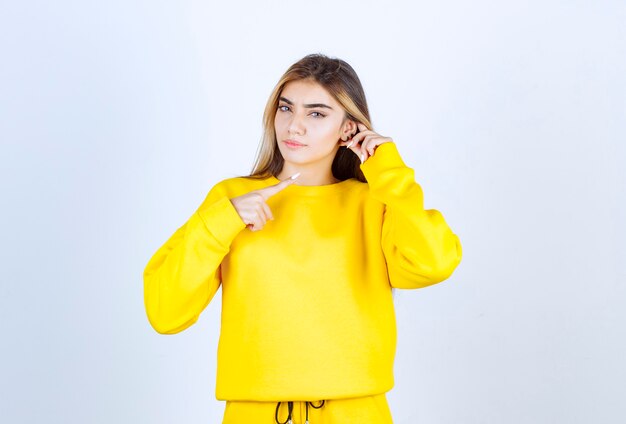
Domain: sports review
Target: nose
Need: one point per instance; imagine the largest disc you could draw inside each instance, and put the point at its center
(295, 125)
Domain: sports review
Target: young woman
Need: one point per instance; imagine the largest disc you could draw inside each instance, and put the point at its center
(307, 250)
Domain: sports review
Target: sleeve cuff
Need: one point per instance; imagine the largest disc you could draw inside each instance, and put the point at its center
(222, 220)
(391, 181)
(385, 156)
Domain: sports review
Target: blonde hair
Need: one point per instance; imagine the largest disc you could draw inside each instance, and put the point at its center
(342, 82)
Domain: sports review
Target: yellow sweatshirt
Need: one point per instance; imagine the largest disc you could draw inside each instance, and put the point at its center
(307, 309)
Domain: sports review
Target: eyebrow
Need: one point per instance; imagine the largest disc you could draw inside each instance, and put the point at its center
(310, 105)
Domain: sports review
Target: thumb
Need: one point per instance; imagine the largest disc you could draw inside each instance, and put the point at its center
(267, 192)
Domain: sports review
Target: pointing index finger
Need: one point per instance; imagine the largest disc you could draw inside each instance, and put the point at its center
(267, 192)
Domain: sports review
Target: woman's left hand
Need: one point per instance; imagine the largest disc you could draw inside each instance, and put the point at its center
(365, 142)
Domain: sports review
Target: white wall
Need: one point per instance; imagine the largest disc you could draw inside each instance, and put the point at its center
(117, 117)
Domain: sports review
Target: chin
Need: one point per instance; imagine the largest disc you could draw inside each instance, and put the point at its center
(296, 155)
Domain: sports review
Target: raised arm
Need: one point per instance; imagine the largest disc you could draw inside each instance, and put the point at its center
(183, 275)
(419, 246)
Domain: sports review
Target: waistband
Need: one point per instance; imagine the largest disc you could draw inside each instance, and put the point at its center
(289, 419)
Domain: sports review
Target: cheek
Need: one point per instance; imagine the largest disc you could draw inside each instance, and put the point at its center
(281, 120)
(331, 132)
(325, 129)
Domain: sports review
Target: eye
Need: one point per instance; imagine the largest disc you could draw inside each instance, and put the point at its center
(281, 108)
(319, 114)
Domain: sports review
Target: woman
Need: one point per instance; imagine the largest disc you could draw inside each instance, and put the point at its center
(307, 249)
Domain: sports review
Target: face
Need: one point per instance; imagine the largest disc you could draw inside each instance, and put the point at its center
(309, 124)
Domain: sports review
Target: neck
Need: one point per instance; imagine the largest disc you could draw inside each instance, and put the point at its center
(308, 176)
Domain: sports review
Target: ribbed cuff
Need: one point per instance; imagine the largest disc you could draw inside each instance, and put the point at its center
(385, 156)
(222, 220)
(391, 181)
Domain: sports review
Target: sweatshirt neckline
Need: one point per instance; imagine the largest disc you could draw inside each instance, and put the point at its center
(318, 190)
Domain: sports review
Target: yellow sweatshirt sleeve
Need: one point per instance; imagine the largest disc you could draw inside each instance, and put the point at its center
(183, 275)
(419, 246)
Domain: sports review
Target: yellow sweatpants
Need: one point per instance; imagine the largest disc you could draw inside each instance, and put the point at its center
(362, 410)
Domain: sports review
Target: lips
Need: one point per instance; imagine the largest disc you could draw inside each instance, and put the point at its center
(293, 143)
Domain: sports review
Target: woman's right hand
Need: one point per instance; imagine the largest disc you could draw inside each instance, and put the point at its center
(251, 207)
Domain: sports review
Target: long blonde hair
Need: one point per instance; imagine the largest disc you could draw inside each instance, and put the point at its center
(342, 82)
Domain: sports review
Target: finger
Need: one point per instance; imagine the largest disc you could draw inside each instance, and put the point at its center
(361, 126)
(357, 150)
(253, 216)
(361, 137)
(373, 145)
(369, 144)
(356, 140)
(360, 152)
(257, 223)
(364, 155)
(260, 211)
(268, 212)
(371, 148)
(363, 134)
(268, 192)
(348, 143)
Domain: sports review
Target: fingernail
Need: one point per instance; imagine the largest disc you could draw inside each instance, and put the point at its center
(362, 157)
(350, 143)
(294, 176)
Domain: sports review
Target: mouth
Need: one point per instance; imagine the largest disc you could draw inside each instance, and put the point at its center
(293, 143)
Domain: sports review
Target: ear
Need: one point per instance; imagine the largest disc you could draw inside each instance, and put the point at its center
(348, 129)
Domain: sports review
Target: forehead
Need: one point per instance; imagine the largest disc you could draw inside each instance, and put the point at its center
(307, 91)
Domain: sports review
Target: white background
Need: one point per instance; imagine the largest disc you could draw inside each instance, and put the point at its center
(117, 117)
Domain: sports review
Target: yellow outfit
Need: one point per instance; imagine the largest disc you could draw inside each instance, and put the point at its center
(307, 309)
